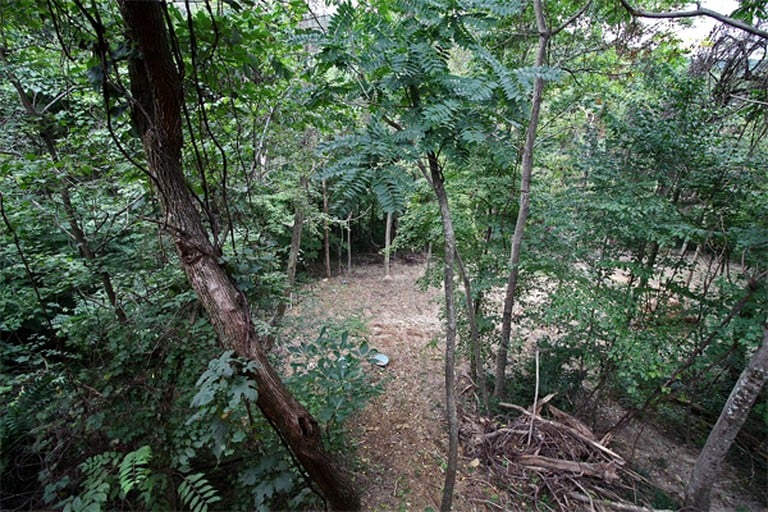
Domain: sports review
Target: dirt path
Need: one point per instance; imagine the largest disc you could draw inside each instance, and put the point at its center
(401, 435)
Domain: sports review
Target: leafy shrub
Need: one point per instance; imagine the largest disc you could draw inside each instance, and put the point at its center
(330, 372)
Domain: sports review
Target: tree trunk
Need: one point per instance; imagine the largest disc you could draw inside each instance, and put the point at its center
(156, 88)
(326, 233)
(438, 185)
(733, 416)
(387, 245)
(293, 254)
(478, 374)
(349, 243)
(522, 214)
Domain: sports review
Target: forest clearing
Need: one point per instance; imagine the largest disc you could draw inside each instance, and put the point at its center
(383, 255)
(402, 320)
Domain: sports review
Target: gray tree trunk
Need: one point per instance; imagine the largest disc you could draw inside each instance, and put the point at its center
(732, 418)
(326, 233)
(525, 200)
(387, 245)
(437, 180)
(478, 373)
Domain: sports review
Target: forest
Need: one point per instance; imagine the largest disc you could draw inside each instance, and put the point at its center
(383, 255)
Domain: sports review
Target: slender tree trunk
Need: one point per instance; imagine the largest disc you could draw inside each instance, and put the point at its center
(86, 252)
(650, 265)
(387, 245)
(438, 185)
(326, 233)
(732, 418)
(349, 243)
(522, 214)
(156, 88)
(293, 253)
(478, 374)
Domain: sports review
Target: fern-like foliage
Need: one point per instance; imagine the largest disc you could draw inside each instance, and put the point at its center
(196, 493)
(133, 469)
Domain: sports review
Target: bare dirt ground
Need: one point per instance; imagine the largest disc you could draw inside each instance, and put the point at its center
(400, 437)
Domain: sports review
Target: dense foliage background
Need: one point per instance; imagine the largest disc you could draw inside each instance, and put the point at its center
(643, 263)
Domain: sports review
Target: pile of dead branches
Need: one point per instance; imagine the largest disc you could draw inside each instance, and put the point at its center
(554, 463)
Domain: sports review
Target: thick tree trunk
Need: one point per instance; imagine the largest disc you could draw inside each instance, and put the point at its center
(157, 92)
(732, 418)
(438, 185)
(522, 214)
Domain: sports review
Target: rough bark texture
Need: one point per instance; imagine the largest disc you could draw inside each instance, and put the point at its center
(438, 185)
(157, 92)
(522, 214)
(732, 418)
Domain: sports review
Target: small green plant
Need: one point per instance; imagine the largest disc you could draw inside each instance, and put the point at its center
(109, 477)
(330, 372)
(197, 493)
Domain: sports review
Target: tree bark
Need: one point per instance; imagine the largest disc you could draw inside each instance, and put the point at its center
(293, 252)
(438, 185)
(156, 87)
(732, 418)
(326, 233)
(478, 373)
(387, 245)
(522, 214)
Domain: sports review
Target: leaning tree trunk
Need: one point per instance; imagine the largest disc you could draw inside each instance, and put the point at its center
(733, 416)
(522, 214)
(156, 87)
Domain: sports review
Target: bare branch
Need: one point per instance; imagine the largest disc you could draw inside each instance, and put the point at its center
(692, 14)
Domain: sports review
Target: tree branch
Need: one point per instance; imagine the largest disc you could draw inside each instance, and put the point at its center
(692, 14)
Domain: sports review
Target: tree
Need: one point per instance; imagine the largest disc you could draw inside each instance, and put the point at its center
(156, 87)
(734, 414)
(525, 201)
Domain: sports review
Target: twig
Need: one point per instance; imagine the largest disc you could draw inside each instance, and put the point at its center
(535, 399)
(487, 502)
(571, 430)
(614, 505)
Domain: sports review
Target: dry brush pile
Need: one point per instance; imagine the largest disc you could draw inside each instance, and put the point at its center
(554, 462)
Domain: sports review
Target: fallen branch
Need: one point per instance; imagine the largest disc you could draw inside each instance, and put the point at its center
(623, 507)
(604, 470)
(568, 429)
